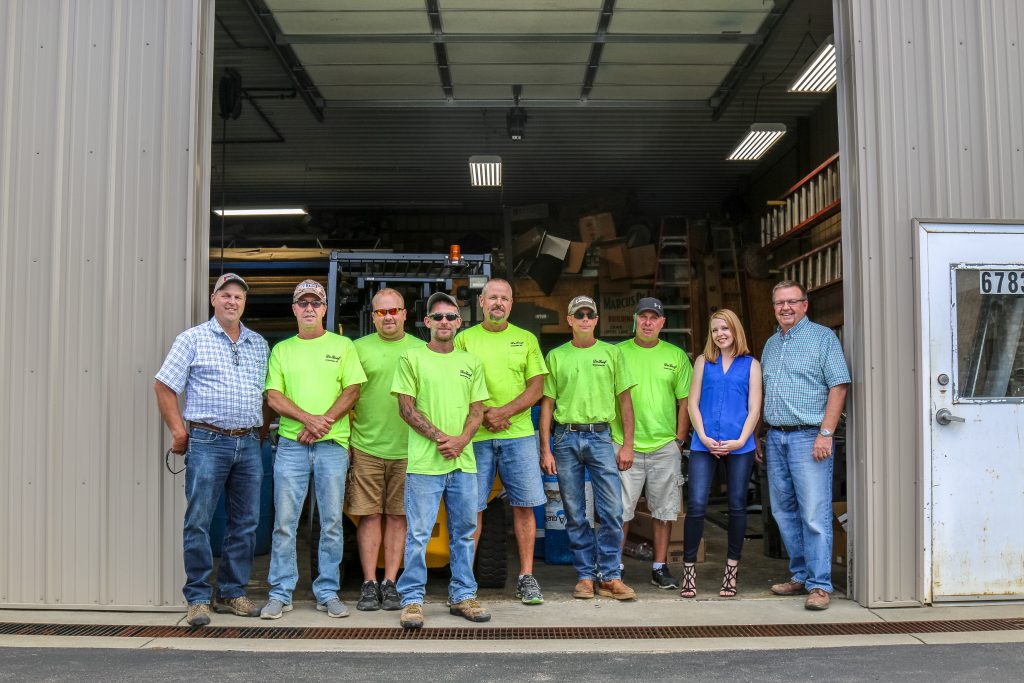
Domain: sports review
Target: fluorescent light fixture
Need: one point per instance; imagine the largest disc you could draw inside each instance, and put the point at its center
(260, 212)
(485, 171)
(819, 72)
(757, 141)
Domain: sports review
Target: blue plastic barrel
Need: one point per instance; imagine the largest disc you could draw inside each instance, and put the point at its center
(556, 538)
(265, 528)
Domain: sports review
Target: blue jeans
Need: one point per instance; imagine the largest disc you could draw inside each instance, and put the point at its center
(593, 452)
(327, 461)
(702, 471)
(215, 464)
(801, 495)
(518, 462)
(423, 494)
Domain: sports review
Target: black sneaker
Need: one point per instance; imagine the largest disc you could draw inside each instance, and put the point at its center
(528, 590)
(390, 600)
(662, 578)
(369, 597)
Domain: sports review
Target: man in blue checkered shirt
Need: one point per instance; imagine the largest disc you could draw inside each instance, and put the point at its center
(805, 384)
(221, 366)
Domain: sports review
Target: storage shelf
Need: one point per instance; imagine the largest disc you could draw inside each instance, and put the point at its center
(827, 285)
(826, 212)
(807, 178)
(812, 252)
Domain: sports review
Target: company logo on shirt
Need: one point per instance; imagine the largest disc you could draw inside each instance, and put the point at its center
(331, 358)
(466, 374)
(670, 366)
(600, 362)
(516, 344)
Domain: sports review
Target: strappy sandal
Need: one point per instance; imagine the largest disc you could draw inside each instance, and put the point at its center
(728, 589)
(689, 581)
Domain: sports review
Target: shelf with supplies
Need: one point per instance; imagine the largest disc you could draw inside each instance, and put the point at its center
(818, 268)
(809, 202)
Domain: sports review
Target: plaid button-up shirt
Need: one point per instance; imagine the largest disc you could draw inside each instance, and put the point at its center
(223, 380)
(800, 366)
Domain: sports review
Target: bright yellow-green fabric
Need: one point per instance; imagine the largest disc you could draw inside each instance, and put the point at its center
(444, 385)
(510, 358)
(377, 428)
(662, 375)
(312, 373)
(586, 383)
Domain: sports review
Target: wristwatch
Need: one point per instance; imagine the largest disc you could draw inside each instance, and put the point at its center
(826, 433)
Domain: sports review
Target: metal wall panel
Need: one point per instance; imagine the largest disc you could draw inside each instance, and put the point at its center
(931, 94)
(103, 198)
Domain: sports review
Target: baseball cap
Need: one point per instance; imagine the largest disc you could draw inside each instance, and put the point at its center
(228, 278)
(649, 303)
(441, 296)
(310, 287)
(582, 302)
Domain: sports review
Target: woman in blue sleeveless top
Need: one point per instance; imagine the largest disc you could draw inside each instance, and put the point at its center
(725, 402)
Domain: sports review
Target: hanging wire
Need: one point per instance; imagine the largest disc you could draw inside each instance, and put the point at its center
(765, 84)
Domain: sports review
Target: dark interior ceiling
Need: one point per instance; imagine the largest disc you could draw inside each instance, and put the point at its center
(644, 97)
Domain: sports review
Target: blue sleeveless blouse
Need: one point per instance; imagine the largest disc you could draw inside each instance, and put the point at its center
(723, 402)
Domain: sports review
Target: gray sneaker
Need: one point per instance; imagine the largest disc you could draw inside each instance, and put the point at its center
(528, 590)
(274, 609)
(390, 600)
(334, 607)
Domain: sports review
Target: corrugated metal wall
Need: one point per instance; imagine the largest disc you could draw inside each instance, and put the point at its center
(103, 205)
(931, 105)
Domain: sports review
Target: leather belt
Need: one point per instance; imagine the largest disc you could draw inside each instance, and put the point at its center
(590, 427)
(793, 428)
(217, 430)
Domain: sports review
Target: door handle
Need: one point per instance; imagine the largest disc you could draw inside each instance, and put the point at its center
(944, 417)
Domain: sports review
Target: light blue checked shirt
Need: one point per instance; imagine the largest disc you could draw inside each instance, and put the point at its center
(799, 368)
(223, 380)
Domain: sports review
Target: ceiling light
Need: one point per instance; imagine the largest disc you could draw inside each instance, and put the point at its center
(485, 171)
(516, 123)
(261, 212)
(819, 72)
(757, 141)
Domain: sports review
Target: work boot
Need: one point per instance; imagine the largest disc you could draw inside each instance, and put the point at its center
(369, 598)
(584, 589)
(390, 600)
(818, 600)
(198, 614)
(240, 606)
(617, 590)
(470, 609)
(412, 616)
(528, 590)
(789, 588)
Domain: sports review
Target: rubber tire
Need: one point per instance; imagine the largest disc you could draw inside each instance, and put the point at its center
(491, 570)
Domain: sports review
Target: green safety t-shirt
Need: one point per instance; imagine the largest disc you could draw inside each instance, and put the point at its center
(312, 373)
(444, 385)
(377, 428)
(662, 375)
(586, 383)
(510, 358)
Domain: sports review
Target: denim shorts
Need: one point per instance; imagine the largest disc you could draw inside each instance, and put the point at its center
(517, 461)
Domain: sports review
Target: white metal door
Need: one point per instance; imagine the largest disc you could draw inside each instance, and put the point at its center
(972, 300)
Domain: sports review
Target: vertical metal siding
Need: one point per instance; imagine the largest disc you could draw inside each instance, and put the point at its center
(931, 94)
(102, 199)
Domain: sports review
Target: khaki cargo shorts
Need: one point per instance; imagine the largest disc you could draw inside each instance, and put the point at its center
(660, 473)
(375, 485)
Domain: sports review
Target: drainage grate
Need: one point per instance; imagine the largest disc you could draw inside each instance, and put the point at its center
(519, 633)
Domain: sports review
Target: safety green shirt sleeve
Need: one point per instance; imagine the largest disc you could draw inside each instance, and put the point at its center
(535, 360)
(351, 370)
(405, 377)
(275, 373)
(479, 388)
(623, 377)
(685, 374)
(550, 388)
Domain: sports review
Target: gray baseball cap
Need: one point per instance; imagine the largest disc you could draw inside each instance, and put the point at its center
(441, 296)
(228, 278)
(582, 301)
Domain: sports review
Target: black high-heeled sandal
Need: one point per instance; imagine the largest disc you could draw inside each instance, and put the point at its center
(689, 581)
(728, 589)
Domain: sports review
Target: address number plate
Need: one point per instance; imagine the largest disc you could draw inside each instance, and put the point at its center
(1001, 281)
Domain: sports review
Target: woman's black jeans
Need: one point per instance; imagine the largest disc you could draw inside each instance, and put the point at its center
(702, 470)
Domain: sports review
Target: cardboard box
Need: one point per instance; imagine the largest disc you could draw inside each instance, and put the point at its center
(528, 243)
(598, 227)
(574, 259)
(615, 309)
(614, 260)
(641, 528)
(526, 288)
(840, 525)
(643, 261)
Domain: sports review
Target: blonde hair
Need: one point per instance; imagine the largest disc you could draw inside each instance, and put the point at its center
(739, 345)
(388, 290)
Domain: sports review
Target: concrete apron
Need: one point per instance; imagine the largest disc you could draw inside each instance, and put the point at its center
(661, 611)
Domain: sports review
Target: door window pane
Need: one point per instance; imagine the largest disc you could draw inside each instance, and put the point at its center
(989, 344)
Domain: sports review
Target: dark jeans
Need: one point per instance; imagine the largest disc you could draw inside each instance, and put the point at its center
(702, 470)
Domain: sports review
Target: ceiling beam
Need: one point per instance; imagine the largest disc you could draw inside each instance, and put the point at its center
(694, 38)
(595, 50)
(683, 105)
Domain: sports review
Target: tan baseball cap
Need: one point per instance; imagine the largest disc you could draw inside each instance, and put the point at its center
(228, 278)
(310, 287)
(582, 302)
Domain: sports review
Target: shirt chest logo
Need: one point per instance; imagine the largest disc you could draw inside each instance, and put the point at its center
(331, 358)
(600, 362)
(516, 344)
(671, 367)
(466, 374)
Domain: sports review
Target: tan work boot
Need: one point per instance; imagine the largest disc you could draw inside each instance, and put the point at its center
(198, 614)
(818, 600)
(412, 616)
(789, 588)
(470, 609)
(584, 589)
(240, 606)
(616, 589)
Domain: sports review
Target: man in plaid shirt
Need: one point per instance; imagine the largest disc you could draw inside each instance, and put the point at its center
(805, 386)
(221, 365)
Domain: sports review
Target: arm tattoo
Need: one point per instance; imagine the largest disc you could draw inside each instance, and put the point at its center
(415, 419)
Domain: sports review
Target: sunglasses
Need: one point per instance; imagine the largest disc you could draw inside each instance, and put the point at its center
(381, 312)
(589, 315)
(307, 304)
(438, 317)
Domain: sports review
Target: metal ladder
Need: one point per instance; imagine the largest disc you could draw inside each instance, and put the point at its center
(672, 281)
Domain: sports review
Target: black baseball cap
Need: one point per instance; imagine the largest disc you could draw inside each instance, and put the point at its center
(649, 303)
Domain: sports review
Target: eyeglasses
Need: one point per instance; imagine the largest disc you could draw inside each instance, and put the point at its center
(589, 315)
(381, 312)
(438, 317)
(791, 302)
(234, 353)
(307, 304)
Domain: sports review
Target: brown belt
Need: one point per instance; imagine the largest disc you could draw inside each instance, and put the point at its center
(217, 430)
